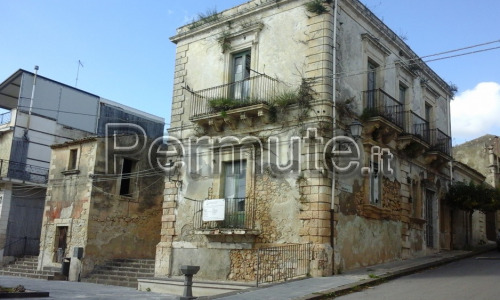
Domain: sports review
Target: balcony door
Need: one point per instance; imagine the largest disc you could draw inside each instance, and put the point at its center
(234, 193)
(240, 89)
(372, 85)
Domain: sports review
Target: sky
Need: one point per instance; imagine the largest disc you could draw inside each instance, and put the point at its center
(127, 56)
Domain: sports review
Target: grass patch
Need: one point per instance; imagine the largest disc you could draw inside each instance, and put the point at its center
(211, 15)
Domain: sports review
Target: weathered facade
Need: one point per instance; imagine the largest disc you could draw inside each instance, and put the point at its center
(102, 200)
(35, 113)
(262, 94)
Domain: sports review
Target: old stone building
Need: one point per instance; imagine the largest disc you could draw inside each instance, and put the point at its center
(455, 223)
(483, 154)
(101, 197)
(269, 97)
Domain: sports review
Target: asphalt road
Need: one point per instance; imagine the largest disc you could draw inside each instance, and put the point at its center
(473, 278)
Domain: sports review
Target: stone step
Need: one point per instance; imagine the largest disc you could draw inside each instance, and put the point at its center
(111, 282)
(23, 270)
(27, 267)
(123, 273)
(131, 265)
(29, 275)
(107, 268)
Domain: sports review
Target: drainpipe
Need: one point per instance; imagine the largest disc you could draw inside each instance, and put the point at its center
(334, 114)
(451, 142)
(31, 103)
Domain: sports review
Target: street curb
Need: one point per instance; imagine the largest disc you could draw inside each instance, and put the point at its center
(345, 289)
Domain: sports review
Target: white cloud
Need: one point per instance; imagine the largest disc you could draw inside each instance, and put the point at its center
(476, 112)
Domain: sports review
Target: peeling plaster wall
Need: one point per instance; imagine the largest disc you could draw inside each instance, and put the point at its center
(364, 242)
(121, 226)
(67, 202)
(101, 221)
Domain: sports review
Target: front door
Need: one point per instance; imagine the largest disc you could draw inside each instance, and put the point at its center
(429, 217)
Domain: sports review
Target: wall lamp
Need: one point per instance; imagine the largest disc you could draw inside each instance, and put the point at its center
(356, 128)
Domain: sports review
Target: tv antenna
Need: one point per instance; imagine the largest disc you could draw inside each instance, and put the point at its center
(78, 72)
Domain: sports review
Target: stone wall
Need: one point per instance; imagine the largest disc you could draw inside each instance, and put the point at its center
(87, 201)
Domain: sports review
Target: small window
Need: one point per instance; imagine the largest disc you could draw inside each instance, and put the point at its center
(73, 159)
(127, 176)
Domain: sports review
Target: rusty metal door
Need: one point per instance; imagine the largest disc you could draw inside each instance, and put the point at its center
(25, 223)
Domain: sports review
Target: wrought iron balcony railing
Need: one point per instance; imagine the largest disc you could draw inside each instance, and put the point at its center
(24, 172)
(418, 127)
(239, 213)
(254, 90)
(380, 104)
(440, 141)
(5, 118)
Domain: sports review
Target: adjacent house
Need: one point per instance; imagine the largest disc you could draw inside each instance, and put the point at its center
(102, 199)
(35, 113)
(302, 131)
(483, 154)
(456, 224)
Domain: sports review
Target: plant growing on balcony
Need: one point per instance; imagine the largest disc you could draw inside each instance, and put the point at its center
(302, 97)
(368, 112)
(223, 104)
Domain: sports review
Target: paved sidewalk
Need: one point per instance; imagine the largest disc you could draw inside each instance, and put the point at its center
(310, 288)
(318, 288)
(80, 290)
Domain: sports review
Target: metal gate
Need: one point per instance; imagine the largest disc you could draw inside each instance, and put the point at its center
(25, 223)
(429, 216)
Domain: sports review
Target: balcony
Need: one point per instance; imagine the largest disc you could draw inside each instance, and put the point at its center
(24, 172)
(383, 114)
(239, 218)
(440, 142)
(241, 101)
(439, 152)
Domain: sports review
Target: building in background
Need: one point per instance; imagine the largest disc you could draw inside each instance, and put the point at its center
(37, 112)
(483, 155)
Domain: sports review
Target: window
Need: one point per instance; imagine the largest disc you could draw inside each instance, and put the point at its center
(240, 89)
(371, 84)
(402, 93)
(428, 112)
(73, 159)
(126, 182)
(234, 193)
(375, 184)
(235, 179)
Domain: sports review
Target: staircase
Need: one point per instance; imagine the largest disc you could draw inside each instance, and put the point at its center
(27, 267)
(122, 272)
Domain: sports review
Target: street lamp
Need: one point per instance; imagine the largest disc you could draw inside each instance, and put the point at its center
(356, 128)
